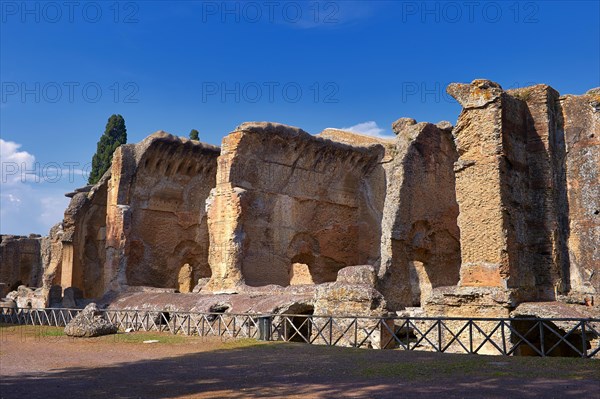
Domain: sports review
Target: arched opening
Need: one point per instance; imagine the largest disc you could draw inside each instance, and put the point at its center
(300, 269)
(185, 278)
(551, 342)
(162, 319)
(298, 325)
(420, 284)
(216, 310)
(219, 308)
(308, 268)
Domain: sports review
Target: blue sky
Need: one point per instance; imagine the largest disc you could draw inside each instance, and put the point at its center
(66, 67)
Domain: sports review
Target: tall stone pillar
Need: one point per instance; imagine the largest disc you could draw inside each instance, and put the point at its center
(482, 218)
(118, 217)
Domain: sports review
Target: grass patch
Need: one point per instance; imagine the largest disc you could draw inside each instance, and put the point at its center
(52, 332)
(31, 331)
(26, 332)
(170, 339)
(242, 343)
(447, 366)
(422, 370)
(140, 337)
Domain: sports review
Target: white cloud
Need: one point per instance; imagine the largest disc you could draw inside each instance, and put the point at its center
(14, 161)
(369, 128)
(29, 203)
(9, 153)
(31, 208)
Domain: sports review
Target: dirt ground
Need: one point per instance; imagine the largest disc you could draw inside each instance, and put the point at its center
(40, 362)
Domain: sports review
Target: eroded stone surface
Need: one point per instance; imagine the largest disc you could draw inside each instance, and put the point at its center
(84, 238)
(469, 302)
(527, 188)
(156, 221)
(420, 247)
(470, 220)
(20, 262)
(479, 140)
(352, 293)
(284, 197)
(90, 322)
(581, 124)
(28, 298)
(263, 300)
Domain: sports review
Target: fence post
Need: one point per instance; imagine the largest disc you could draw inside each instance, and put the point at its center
(471, 336)
(264, 327)
(503, 338)
(542, 346)
(583, 340)
(439, 329)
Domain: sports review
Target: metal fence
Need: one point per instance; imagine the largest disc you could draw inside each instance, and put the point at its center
(516, 336)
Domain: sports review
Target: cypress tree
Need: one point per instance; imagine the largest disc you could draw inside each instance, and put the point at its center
(114, 135)
(194, 134)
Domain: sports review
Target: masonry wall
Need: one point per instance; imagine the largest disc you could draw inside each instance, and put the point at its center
(520, 221)
(547, 213)
(539, 152)
(501, 209)
(288, 203)
(20, 262)
(478, 132)
(84, 239)
(580, 122)
(156, 220)
(420, 244)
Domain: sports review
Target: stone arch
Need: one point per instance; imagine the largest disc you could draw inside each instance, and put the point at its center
(420, 282)
(298, 326)
(302, 251)
(185, 279)
(300, 269)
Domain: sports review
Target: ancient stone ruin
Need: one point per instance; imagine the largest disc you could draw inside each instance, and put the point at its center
(500, 211)
(90, 322)
(21, 262)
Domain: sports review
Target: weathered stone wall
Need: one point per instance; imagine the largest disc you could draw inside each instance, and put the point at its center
(547, 209)
(20, 262)
(156, 220)
(528, 187)
(479, 143)
(83, 240)
(52, 257)
(420, 247)
(503, 177)
(518, 198)
(284, 197)
(580, 122)
(502, 209)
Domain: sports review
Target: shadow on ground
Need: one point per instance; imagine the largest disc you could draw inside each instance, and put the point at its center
(297, 370)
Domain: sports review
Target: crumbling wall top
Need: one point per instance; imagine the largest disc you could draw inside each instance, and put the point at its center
(372, 150)
(164, 139)
(477, 94)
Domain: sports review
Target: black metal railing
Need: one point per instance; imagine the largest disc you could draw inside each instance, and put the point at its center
(500, 336)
